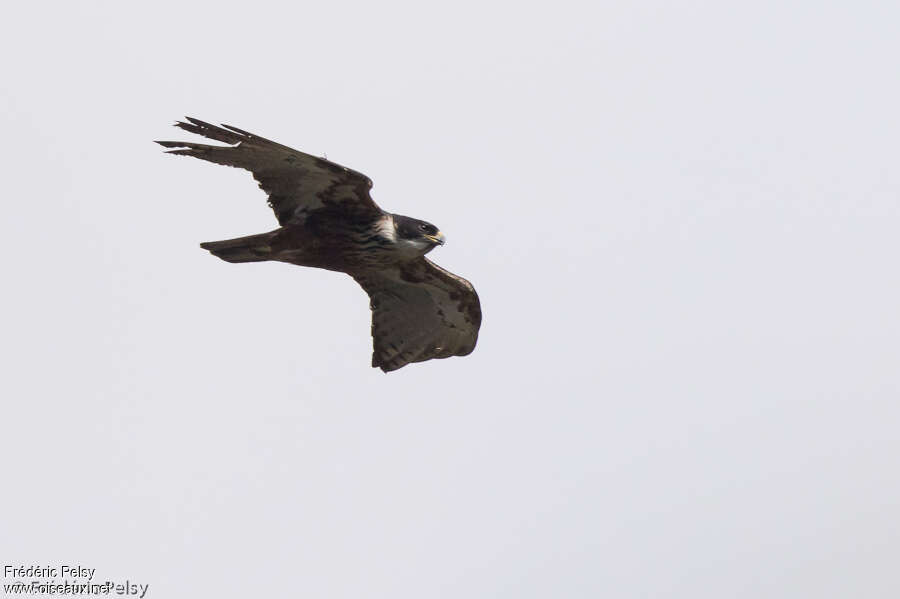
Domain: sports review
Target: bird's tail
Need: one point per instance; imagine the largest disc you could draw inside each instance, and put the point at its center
(253, 248)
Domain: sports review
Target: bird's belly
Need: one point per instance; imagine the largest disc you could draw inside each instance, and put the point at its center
(343, 251)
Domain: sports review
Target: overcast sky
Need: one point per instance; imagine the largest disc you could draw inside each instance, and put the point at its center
(682, 220)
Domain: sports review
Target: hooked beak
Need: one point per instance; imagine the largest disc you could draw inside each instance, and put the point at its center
(438, 238)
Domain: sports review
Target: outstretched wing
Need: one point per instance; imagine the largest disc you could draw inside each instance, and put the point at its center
(297, 183)
(420, 311)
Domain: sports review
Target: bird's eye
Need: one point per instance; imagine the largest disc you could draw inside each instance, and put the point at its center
(424, 228)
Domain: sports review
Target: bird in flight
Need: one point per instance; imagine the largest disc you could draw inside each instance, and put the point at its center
(328, 220)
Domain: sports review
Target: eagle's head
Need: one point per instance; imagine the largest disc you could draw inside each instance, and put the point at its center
(416, 235)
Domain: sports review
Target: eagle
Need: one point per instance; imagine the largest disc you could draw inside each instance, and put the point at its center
(328, 220)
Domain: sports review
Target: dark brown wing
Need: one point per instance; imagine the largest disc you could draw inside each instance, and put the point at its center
(297, 183)
(420, 311)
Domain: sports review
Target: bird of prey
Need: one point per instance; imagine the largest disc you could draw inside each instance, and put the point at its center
(328, 220)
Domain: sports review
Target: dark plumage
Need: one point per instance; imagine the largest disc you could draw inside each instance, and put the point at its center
(328, 220)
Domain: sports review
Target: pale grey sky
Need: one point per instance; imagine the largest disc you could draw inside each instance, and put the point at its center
(682, 220)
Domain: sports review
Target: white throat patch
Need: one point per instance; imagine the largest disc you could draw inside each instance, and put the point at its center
(385, 228)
